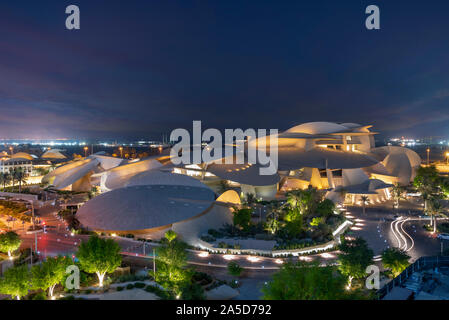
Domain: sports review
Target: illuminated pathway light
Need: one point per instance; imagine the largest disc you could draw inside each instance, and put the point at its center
(228, 257)
(327, 255)
(305, 258)
(279, 261)
(253, 259)
(203, 254)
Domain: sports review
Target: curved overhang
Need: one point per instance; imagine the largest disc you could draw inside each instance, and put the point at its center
(321, 158)
(367, 187)
(118, 177)
(21, 156)
(61, 170)
(71, 176)
(243, 173)
(53, 154)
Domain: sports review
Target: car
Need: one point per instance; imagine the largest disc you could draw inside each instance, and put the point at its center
(443, 236)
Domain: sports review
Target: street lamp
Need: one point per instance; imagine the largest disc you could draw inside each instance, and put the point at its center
(447, 158)
(34, 227)
(121, 152)
(428, 156)
(85, 151)
(11, 149)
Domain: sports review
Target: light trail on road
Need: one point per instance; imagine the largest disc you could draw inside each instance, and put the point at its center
(397, 238)
(397, 228)
(411, 239)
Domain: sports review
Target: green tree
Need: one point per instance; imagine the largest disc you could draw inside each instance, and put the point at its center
(435, 208)
(170, 235)
(293, 221)
(49, 273)
(234, 269)
(9, 242)
(15, 282)
(445, 187)
(325, 208)
(242, 218)
(99, 256)
(395, 259)
(20, 176)
(398, 194)
(5, 178)
(354, 258)
(317, 221)
(171, 264)
(427, 182)
(294, 198)
(250, 199)
(272, 225)
(305, 281)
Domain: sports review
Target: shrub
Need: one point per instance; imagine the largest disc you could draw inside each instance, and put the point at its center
(443, 227)
(234, 269)
(119, 288)
(223, 245)
(159, 292)
(129, 286)
(39, 296)
(202, 278)
(139, 285)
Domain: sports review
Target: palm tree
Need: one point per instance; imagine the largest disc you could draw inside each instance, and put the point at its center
(250, 199)
(304, 200)
(4, 179)
(13, 178)
(427, 183)
(398, 194)
(435, 208)
(20, 176)
(294, 198)
(343, 192)
(272, 218)
(365, 201)
(272, 225)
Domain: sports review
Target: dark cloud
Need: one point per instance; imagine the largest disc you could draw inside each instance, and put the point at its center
(145, 67)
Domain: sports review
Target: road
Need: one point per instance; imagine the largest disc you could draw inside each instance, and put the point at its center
(383, 228)
(378, 226)
(57, 240)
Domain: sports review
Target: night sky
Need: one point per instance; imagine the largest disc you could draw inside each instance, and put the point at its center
(137, 69)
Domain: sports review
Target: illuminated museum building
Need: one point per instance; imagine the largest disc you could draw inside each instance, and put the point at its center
(150, 196)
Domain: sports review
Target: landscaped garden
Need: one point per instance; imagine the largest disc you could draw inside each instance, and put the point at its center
(305, 219)
(14, 210)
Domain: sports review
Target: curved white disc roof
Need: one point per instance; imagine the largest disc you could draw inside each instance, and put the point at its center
(144, 207)
(318, 128)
